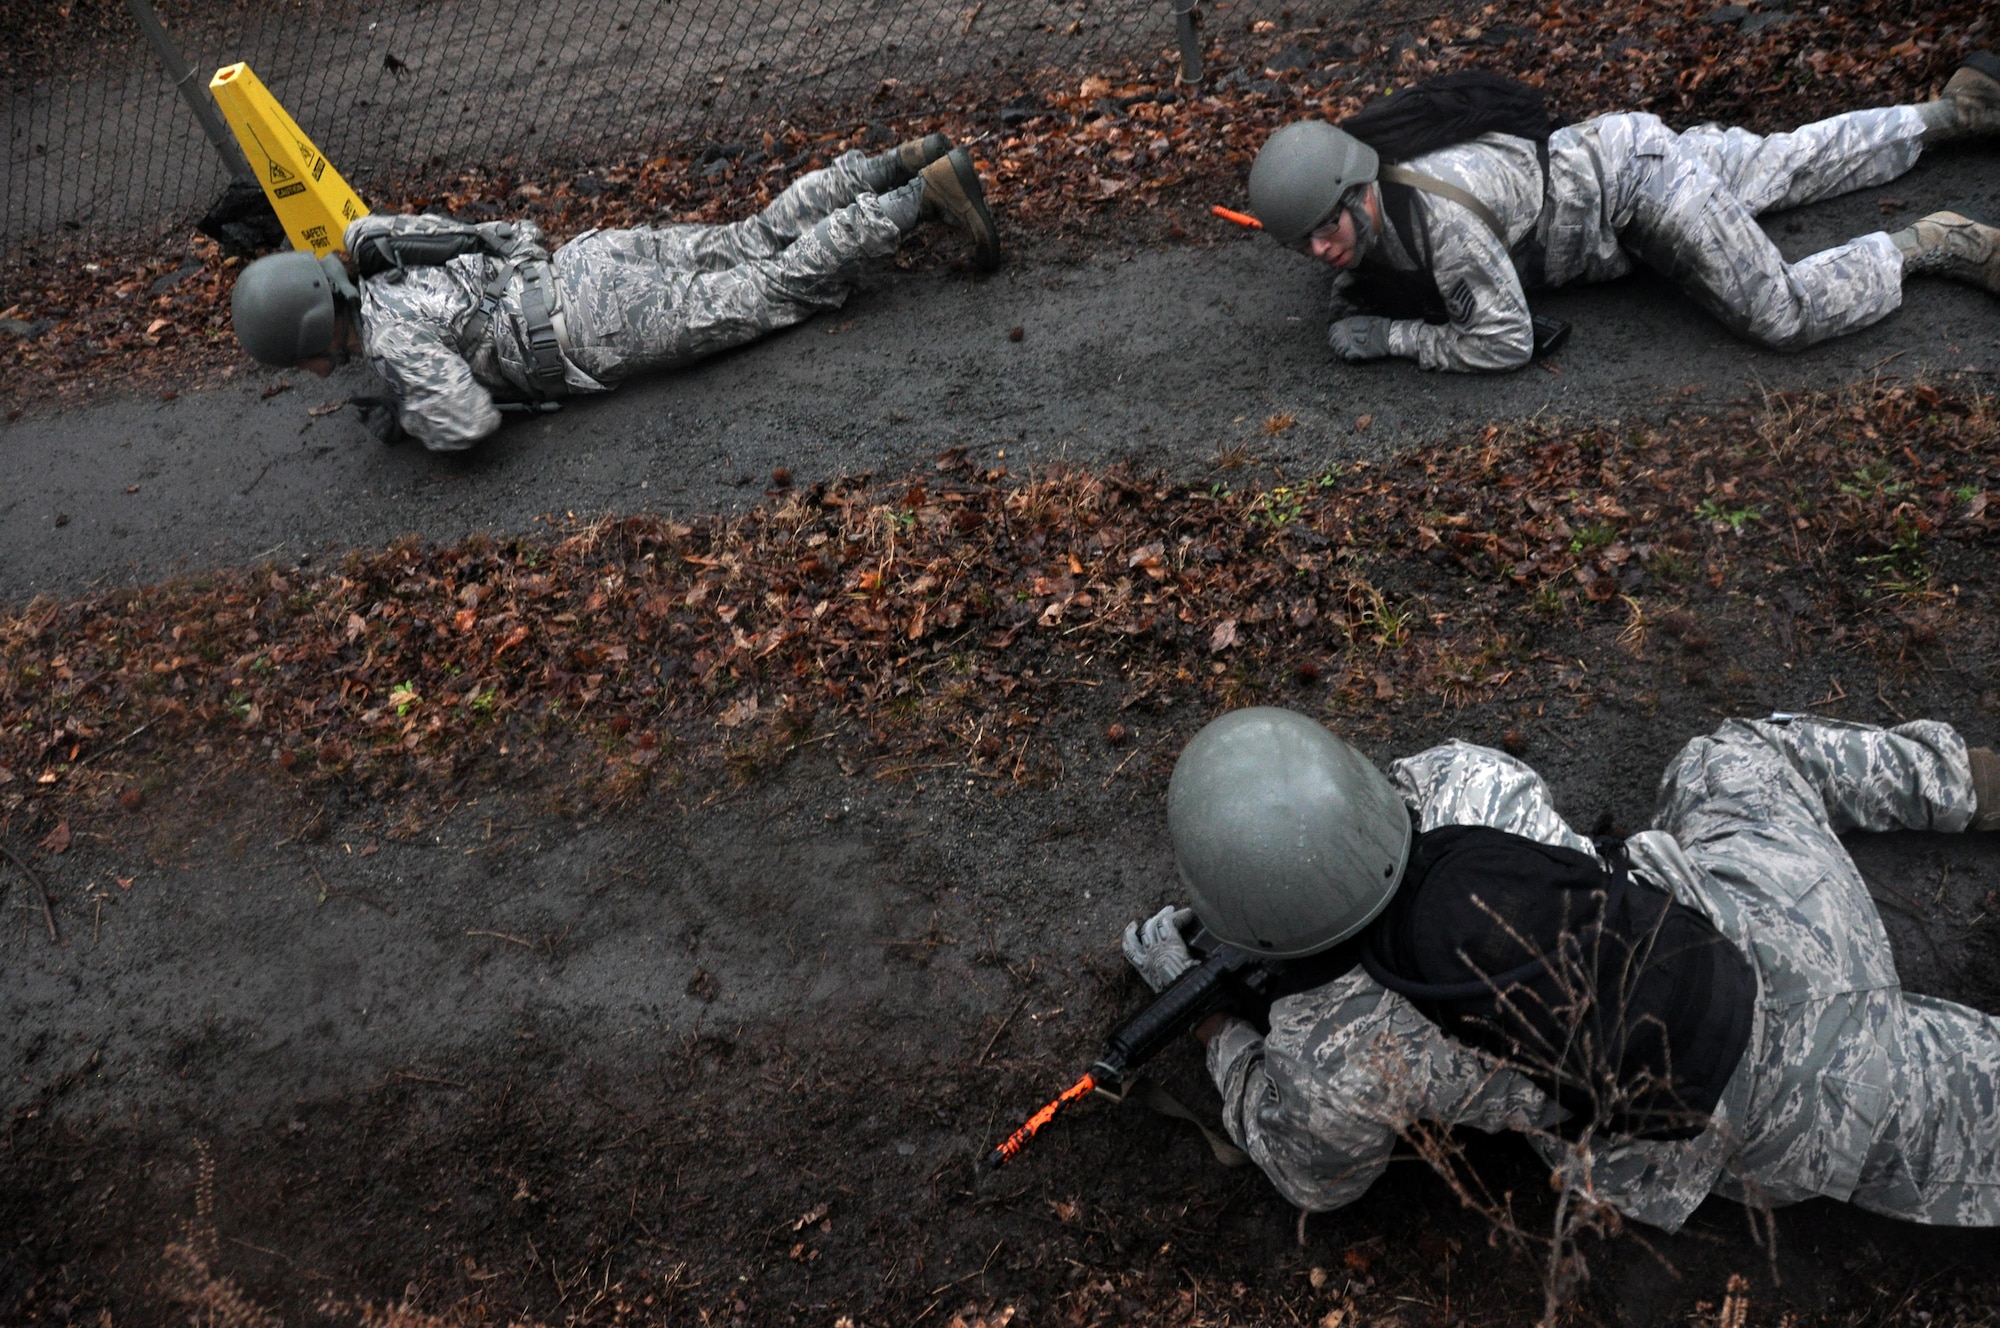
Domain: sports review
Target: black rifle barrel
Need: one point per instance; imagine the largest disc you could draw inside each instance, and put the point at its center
(1194, 995)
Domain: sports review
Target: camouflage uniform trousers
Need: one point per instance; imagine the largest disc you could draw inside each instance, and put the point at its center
(663, 297)
(1695, 207)
(1859, 1090)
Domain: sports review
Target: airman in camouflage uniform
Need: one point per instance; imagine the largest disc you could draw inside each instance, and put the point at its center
(510, 323)
(1850, 1087)
(1624, 189)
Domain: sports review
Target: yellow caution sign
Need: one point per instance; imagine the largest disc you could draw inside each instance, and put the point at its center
(312, 201)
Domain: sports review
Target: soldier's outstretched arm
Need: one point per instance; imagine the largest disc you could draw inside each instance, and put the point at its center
(1916, 776)
(437, 398)
(1346, 1069)
(1490, 328)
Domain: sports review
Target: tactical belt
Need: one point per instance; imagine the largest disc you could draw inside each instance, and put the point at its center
(541, 318)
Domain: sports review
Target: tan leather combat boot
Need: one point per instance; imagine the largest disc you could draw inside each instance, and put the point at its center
(952, 191)
(1985, 788)
(1969, 106)
(901, 164)
(918, 153)
(1945, 244)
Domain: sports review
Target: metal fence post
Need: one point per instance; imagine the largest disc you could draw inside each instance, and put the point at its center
(191, 92)
(1190, 41)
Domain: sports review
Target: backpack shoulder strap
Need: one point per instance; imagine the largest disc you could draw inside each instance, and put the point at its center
(473, 332)
(1394, 291)
(1429, 184)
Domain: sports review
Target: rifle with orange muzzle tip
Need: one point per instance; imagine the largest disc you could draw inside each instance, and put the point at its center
(1226, 980)
(1220, 982)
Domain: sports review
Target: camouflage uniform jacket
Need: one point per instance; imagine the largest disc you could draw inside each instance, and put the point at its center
(411, 324)
(1746, 834)
(1625, 187)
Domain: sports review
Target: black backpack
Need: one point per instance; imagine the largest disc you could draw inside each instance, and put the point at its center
(1449, 110)
(1625, 1005)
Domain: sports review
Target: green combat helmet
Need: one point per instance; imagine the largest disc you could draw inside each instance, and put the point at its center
(1287, 839)
(1302, 173)
(284, 306)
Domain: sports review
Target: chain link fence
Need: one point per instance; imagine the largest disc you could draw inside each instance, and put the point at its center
(98, 145)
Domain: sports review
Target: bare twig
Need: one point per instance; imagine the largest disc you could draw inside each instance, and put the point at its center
(106, 751)
(988, 1048)
(503, 936)
(48, 911)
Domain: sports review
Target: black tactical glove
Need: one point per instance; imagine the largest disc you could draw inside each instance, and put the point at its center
(1363, 337)
(378, 416)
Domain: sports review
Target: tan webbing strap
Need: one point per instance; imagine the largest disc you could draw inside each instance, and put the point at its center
(1432, 185)
(1160, 1100)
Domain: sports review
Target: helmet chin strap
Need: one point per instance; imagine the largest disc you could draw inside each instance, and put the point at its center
(337, 279)
(1367, 222)
(346, 304)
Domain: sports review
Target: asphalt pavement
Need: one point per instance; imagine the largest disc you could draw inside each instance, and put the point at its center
(1161, 357)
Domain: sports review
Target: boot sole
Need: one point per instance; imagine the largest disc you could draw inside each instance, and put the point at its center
(1989, 278)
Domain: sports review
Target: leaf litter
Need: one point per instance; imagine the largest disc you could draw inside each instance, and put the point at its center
(946, 618)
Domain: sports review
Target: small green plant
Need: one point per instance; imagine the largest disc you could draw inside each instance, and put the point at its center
(1279, 507)
(1965, 493)
(1902, 572)
(1387, 625)
(1547, 600)
(1593, 536)
(1874, 479)
(1671, 565)
(482, 703)
(240, 706)
(404, 697)
(1733, 517)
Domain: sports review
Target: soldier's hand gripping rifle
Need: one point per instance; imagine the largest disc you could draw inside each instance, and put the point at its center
(1226, 981)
